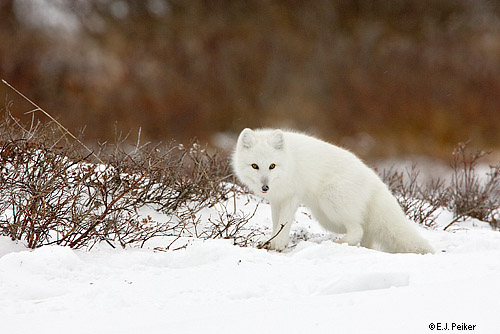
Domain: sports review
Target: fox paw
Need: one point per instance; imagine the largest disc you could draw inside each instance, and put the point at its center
(274, 244)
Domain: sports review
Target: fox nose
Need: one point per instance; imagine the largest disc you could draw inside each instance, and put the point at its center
(265, 188)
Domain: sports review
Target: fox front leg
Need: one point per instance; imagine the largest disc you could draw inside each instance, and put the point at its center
(283, 214)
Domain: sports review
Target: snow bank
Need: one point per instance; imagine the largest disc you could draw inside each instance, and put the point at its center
(316, 286)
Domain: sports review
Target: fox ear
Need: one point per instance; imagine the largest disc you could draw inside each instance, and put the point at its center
(276, 140)
(247, 138)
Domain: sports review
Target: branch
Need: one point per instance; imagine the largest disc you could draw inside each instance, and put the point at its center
(268, 242)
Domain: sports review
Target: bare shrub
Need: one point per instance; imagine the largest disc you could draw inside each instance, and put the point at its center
(471, 195)
(52, 193)
(233, 225)
(420, 202)
(467, 194)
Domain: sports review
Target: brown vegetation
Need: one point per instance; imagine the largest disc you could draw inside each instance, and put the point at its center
(54, 192)
(416, 76)
(467, 194)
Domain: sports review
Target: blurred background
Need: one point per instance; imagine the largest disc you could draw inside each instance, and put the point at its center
(382, 77)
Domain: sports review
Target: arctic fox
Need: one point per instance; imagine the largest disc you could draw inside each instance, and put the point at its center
(344, 195)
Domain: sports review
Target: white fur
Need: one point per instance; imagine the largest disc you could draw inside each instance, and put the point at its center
(344, 194)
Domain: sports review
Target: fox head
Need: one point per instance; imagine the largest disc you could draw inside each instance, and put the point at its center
(259, 160)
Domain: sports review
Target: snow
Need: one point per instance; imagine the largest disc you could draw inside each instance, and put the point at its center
(212, 286)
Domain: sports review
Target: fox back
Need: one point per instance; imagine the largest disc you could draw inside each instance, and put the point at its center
(276, 163)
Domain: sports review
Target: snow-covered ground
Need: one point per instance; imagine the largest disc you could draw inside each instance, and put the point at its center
(211, 286)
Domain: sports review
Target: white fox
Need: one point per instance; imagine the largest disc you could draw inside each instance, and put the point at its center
(344, 195)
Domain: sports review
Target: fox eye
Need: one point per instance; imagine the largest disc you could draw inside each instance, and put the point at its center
(255, 166)
(272, 166)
